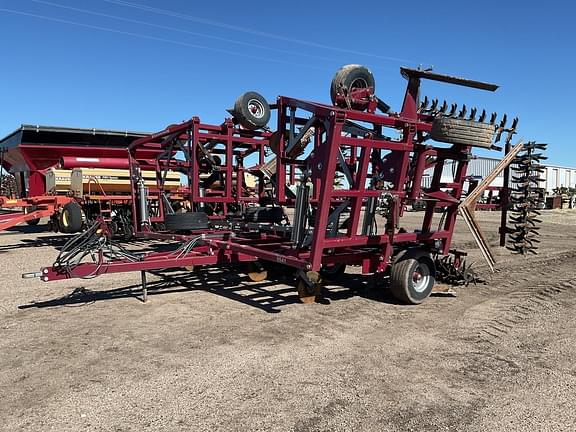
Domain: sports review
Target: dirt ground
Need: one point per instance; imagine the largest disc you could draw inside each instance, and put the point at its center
(213, 352)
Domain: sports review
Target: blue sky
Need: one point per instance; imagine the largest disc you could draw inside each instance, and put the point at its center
(127, 66)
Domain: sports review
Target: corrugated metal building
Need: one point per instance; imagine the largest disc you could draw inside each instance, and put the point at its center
(554, 176)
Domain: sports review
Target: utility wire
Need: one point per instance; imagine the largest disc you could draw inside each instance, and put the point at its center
(219, 24)
(193, 33)
(159, 39)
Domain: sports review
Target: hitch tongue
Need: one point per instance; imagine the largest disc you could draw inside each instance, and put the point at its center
(31, 275)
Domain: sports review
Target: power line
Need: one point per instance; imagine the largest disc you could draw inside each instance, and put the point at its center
(248, 30)
(193, 33)
(159, 39)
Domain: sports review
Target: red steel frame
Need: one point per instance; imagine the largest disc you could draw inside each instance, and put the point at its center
(394, 168)
(29, 209)
(195, 140)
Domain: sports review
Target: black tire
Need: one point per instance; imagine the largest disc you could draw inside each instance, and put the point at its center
(419, 205)
(71, 219)
(403, 274)
(349, 77)
(264, 214)
(462, 132)
(251, 110)
(127, 232)
(33, 222)
(186, 221)
(333, 272)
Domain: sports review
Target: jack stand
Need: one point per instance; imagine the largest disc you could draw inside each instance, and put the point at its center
(144, 286)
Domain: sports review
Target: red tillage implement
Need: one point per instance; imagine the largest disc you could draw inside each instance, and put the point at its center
(335, 171)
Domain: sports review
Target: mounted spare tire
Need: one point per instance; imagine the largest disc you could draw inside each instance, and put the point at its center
(251, 110)
(462, 132)
(71, 219)
(33, 222)
(350, 77)
(186, 221)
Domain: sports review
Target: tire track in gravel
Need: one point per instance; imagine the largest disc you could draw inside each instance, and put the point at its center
(519, 293)
(522, 294)
(522, 305)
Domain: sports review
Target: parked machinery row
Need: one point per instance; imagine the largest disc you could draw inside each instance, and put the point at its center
(326, 189)
(71, 176)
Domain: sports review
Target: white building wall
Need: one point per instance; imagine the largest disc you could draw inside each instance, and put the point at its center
(553, 176)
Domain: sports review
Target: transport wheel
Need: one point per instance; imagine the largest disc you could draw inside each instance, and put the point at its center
(349, 77)
(71, 219)
(33, 222)
(306, 293)
(333, 272)
(462, 132)
(257, 272)
(412, 277)
(186, 221)
(251, 110)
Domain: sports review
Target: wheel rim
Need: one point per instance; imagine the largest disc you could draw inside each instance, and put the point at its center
(359, 83)
(256, 108)
(65, 218)
(421, 278)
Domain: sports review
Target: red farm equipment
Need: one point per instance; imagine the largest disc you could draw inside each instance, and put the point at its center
(220, 186)
(32, 153)
(323, 180)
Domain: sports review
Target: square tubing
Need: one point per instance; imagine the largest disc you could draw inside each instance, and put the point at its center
(329, 160)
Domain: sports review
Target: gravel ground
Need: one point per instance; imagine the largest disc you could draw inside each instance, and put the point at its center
(212, 352)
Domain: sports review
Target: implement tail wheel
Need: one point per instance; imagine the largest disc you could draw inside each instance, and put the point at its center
(412, 277)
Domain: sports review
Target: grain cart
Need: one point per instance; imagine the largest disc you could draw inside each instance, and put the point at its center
(337, 170)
